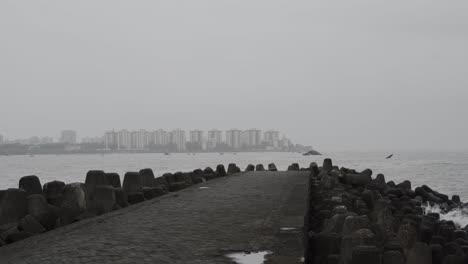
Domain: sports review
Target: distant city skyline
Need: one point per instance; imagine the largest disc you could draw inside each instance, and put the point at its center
(141, 139)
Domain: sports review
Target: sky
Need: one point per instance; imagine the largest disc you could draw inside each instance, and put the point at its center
(341, 75)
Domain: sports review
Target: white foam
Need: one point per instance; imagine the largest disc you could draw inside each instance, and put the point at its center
(458, 216)
(204, 187)
(252, 258)
(288, 228)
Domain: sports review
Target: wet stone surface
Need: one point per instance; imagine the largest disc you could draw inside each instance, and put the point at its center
(242, 212)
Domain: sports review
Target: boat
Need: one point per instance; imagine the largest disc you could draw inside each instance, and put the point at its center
(166, 153)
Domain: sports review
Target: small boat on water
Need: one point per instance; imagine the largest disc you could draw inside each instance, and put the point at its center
(167, 153)
(221, 153)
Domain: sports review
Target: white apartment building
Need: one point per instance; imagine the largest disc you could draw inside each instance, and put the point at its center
(233, 138)
(215, 137)
(178, 138)
(251, 137)
(196, 136)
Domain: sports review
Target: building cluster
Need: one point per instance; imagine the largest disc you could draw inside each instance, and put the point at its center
(197, 140)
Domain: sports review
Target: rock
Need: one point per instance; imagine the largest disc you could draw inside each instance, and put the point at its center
(406, 185)
(15, 237)
(149, 193)
(147, 178)
(419, 253)
(102, 200)
(367, 173)
(13, 205)
(380, 178)
(250, 167)
(272, 167)
(407, 234)
(366, 255)
(437, 253)
(220, 170)
(30, 184)
(393, 257)
(31, 225)
(135, 197)
(324, 244)
(357, 179)
(132, 183)
(208, 170)
(95, 178)
(259, 167)
(327, 165)
(162, 182)
(362, 237)
(170, 178)
(85, 215)
(334, 224)
(198, 176)
(232, 168)
(121, 197)
(456, 199)
(73, 202)
(354, 223)
(453, 259)
(113, 179)
(294, 167)
(7, 230)
(53, 192)
(187, 178)
(39, 209)
(314, 169)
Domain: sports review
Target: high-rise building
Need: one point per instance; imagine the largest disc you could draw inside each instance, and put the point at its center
(68, 137)
(139, 139)
(178, 138)
(215, 137)
(233, 138)
(110, 139)
(196, 136)
(124, 140)
(251, 137)
(271, 136)
(1, 140)
(159, 137)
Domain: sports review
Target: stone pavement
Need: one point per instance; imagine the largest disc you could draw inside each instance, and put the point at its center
(241, 212)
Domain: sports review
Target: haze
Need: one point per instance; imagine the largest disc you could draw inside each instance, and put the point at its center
(332, 74)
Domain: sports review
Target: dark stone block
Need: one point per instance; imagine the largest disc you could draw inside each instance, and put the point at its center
(272, 167)
(121, 197)
(53, 192)
(259, 167)
(456, 199)
(132, 183)
(15, 237)
(208, 170)
(102, 200)
(176, 186)
(366, 255)
(437, 253)
(250, 167)
(95, 178)
(31, 225)
(13, 205)
(232, 168)
(73, 202)
(147, 178)
(294, 167)
(393, 257)
(406, 185)
(113, 179)
(220, 170)
(30, 184)
(327, 165)
(135, 197)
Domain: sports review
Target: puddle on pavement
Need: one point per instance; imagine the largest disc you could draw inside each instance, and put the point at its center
(249, 258)
(204, 187)
(288, 229)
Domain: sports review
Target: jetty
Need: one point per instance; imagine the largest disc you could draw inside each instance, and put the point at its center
(314, 215)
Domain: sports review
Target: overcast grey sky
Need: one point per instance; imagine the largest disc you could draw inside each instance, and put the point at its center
(333, 74)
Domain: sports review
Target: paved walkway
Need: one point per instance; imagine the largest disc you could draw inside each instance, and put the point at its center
(243, 212)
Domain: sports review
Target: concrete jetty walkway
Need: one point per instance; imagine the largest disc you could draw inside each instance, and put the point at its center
(255, 211)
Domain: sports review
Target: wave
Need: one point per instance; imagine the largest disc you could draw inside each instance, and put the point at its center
(459, 216)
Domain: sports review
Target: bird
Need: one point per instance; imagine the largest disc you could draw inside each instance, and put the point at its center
(389, 157)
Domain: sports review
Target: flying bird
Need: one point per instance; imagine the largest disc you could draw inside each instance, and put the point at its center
(389, 157)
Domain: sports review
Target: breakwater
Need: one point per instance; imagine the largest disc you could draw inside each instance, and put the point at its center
(353, 218)
(33, 208)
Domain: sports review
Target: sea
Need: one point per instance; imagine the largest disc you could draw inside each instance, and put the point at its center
(446, 172)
